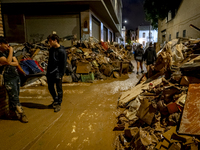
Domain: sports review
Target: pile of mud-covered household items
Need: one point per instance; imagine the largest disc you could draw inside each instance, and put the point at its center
(87, 61)
(163, 110)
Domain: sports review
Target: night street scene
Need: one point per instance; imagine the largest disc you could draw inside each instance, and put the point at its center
(99, 75)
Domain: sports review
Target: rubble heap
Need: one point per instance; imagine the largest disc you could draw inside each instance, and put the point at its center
(86, 61)
(163, 111)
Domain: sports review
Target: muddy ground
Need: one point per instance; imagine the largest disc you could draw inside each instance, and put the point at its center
(85, 122)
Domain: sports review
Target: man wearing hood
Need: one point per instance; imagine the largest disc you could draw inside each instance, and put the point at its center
(150, 56)
(55, 70)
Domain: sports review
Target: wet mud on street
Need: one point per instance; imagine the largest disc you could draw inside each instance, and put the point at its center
(85, 122)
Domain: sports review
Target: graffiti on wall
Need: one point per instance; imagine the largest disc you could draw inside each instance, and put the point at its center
(36, 38)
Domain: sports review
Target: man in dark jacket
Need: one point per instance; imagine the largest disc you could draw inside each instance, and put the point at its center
(55, 70)
(150, 56)
(8, 66)
(139, 57)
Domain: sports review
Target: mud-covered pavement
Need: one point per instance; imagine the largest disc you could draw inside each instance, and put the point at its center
(86, 120)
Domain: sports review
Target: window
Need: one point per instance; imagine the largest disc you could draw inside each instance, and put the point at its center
(184, 33)
(170, 37)
(163, 38)
(143, 35)
(110, 36)
(169, 15)
(105, 34)
(177, 34)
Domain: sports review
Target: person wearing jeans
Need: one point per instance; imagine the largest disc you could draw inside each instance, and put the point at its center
(8, 67)
(55, 70)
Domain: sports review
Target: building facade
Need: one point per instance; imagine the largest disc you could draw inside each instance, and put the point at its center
(146, 34)
(123, 35)
(178, 24)
(33, 20)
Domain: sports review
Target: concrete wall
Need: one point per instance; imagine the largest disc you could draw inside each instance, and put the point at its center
(29, 24)
(188, 13)
(39, 27)
(14, 27)
(123, 32)
(85, 23)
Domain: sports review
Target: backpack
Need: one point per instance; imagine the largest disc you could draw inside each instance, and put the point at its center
(140, 52)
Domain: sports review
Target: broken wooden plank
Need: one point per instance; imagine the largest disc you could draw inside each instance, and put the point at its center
(135, 91)
(35, 53)
(191, 118)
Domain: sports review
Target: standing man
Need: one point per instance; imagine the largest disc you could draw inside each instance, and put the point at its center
(139, 58)
(150, 56)
(8, 65)
(55, 70)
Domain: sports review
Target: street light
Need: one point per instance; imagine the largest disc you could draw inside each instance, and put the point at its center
(125, 21)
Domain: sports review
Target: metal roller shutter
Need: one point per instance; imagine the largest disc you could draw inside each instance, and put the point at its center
(95, 28)
(39, 27)
(105, 34)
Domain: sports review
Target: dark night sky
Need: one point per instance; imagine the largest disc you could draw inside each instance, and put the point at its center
(133, 12)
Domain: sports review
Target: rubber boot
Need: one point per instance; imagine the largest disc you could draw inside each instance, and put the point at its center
(21, 115)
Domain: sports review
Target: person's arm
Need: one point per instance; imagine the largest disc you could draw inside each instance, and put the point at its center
(62, 62)
(14, 62)
(155, 55)
(8, 60)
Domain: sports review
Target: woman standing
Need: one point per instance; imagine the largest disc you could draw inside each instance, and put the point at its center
(139, 57)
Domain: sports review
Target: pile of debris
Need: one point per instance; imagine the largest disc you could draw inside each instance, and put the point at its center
(102, 60)
(163, 111)
(85, 62)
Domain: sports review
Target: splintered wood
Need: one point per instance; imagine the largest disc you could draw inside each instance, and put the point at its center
(190, 122)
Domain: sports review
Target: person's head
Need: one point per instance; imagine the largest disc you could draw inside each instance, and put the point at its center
(141, 46)
(3, 44)
(53, 40)
(150, 44)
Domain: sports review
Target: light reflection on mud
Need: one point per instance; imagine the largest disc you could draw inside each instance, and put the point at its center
(90, 108)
